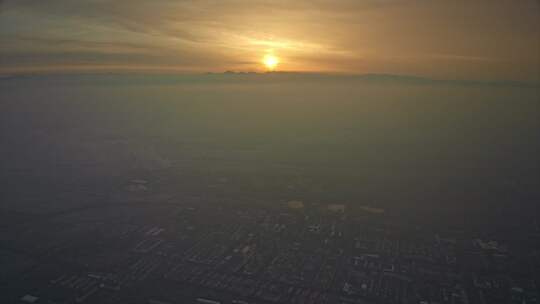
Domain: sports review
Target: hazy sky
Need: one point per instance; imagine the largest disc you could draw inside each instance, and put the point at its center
(464, 39)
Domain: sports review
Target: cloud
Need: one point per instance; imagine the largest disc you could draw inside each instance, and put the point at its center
(358, 36)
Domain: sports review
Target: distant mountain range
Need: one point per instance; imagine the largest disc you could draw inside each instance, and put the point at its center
(377, 77)
(228, 76)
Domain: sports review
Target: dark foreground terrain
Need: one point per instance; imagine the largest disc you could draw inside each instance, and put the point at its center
(189, 252)
(268, 189)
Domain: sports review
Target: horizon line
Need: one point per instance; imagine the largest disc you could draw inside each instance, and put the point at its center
(4, 75)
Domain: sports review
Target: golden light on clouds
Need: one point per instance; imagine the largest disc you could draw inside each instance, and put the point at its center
(270, 62)
(349, 36)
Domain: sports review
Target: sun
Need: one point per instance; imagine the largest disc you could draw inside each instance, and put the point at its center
(270, 62)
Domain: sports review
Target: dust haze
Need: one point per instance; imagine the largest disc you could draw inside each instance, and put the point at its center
(439, 152)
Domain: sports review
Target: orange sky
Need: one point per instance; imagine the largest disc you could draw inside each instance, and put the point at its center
(459, 39)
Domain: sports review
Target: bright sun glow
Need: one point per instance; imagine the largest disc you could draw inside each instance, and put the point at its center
(270, 62)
